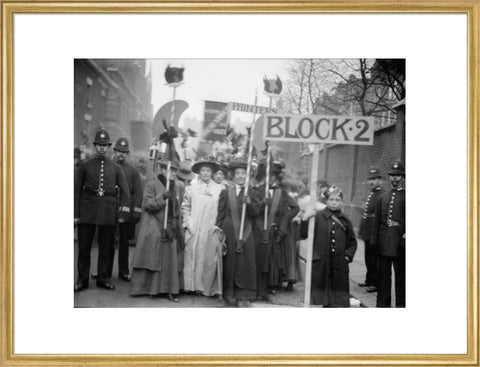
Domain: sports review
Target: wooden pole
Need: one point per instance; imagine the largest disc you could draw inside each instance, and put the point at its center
(267, 177)
(249, 163)
(311, 224)
(169, 164)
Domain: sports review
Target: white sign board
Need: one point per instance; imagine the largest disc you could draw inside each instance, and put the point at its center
(357, 130)
(242, 107)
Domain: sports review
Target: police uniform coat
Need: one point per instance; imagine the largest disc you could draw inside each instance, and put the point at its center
(389, 223)
(369, 213)
(330, 271)
(136, 192)
(91, 208)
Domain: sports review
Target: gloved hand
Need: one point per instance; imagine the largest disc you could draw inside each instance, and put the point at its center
(246, 200)
(167, 195)
(267, 201)
(135, 217)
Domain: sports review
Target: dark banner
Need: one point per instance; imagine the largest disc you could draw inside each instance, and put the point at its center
(215, 121)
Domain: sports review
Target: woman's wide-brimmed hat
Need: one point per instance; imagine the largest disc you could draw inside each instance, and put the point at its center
(185, 171)
(238, 162)
(205, 161)
(222, 167)
(276, 168)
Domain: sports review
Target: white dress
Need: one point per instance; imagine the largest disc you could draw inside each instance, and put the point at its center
(199, 210)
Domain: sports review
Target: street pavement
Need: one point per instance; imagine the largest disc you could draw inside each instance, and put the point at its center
(97, 297)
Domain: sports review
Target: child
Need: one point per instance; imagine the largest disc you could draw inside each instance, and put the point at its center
(334, 246)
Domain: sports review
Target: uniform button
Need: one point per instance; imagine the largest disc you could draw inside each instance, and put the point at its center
(333, 231)
(333, 250)
(333, 241)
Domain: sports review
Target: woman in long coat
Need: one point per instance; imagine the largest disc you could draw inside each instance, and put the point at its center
(239, 269)
(199, 212)
(156, 260)
(334, 245)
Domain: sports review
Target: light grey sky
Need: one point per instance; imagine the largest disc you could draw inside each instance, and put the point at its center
(215, 80)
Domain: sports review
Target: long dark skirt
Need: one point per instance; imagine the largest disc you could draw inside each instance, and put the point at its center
(148, 282)
(290, 254)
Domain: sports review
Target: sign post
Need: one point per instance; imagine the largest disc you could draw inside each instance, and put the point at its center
(311, 224)
(316, 130)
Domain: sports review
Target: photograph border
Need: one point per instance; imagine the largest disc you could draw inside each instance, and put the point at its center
(472, 10)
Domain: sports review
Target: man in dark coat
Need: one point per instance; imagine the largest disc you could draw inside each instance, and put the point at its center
(271, 266)
(96, 207)
(388, 235)
(239, 273)
(126, 230)
(376, 190)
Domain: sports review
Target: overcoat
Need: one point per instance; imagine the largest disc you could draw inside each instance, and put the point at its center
(238, 268)
(199, 212)
(389, 224)
(368, 214)
(289, 249)
(156, 260)
(136, 192)
(91, 208)
(270, 258)
(331, 244)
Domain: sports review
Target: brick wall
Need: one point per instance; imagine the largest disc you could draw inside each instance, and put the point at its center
(348, 165)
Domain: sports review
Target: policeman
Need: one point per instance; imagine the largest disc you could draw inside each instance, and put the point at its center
(126, 229)
(95, 207)
(374, 180)
(388, 235)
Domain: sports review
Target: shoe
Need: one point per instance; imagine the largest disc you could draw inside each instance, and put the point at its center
(222, 304)
(289, 287)
(371, 289)
(242, 303)
(94, 275)
(172, 298)
(125, 277)
(266, 298)
(363, 285)
(80, 287)
(106, 285)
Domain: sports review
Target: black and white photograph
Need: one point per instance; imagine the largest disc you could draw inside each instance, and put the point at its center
(238, 183)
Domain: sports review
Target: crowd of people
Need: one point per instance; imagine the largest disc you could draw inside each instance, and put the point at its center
(203, 231)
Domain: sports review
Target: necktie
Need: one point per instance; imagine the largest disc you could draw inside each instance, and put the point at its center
(240, 192)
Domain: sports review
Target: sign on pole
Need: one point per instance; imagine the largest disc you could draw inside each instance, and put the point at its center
(357, 130)
(243, 107)
(317, 129)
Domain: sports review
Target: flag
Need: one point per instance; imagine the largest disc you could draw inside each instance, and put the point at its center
(272, 86)
(173, 75)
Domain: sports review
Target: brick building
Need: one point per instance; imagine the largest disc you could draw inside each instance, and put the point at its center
(114, 94)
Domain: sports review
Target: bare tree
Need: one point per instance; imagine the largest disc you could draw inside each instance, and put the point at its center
(332, 86)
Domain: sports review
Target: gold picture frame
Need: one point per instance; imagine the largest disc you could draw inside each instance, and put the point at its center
(472, 10)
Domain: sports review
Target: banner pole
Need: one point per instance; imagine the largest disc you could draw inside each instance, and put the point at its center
(249, 163)
(169, 163)
(311, 224)
(267, 177)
